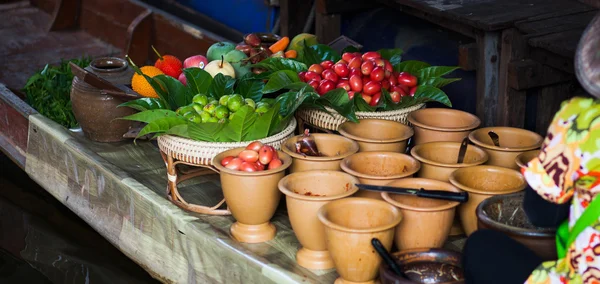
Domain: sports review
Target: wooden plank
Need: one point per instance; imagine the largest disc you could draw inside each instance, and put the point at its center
(551, 59)
(329, 7)
(549, 99)
(14, 125)
(293, 15)
(119, 11)
(562, 43)
(487, 77)
(65, 15)
(328, 27)
(104, 29)
(527, 74)
(29, 18)
(140, 37)
(556, 25)
(46, 6)
(511, 103)
(468, 56)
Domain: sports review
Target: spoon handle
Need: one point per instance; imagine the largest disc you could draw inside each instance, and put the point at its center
(462, 150)
(386, 257)
(495, 138)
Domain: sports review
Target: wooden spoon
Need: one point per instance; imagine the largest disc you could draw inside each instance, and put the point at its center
(462, 150)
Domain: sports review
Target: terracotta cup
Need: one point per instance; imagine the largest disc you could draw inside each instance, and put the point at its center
(482, 182)
(334, 148)
(306, 192)
(441, 124)
(377, 135)
(425, 222)
(379, 168)
(524, 158)
(428, 265)
(252, 198)
(350, 224)
(439, 159)
(513, 142)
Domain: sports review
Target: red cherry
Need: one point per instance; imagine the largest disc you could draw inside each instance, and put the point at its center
(356, 83)
(344, 84)
(355, 71)
(351, 94)
(354, 62)
(330, 75)
(379, 62)
(366, 67)
(400, 90)
(301, 76)
(388, 66)
(393, 80)
(347, 56)
(341, 70)
(385, 84)
(375, 99)
(342, 61)
(314, 84)
(395, 96)
(310, 75)
(325, 86)
(316, 68)
(407, 79)
(371, 55)
(366, 98)
(371, 88)
(377, 74)
(412, 91)
(366, 79)
(327, 64)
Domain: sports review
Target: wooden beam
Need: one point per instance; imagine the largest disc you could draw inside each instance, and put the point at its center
(468, 56)
(328, 27)
(140, 37)
(487, 77)
(329, 7)
(511, 103)
(65, 15)
(14, 126)
(551, 59)
(293, 16)
(527, 74)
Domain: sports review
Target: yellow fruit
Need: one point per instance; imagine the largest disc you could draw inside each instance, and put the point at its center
(297, 42)
(141, 86)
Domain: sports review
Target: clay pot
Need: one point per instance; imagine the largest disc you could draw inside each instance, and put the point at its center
(432, 265)
(482, 182)
(524, 158)
(334, 148)
(438, 159)
(425, 222)
(441, 124)
(252, 198)
(98, 114)
(504, 213)
(513, 142)
(306, 192)
(377, 135)
(379, 168)
(350, 224)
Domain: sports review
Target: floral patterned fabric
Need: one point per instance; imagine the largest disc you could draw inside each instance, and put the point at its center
(568, 168)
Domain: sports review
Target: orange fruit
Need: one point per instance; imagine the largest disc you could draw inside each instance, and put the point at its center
(141, 86)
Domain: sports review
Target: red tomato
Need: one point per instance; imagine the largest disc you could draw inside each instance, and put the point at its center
(355, 71)
(407, 79)
(379, 62)
(393, 80)
(341, 61)
(330, 75)
(265, 155)
(375, 99)
(226, 160)
(366, 67)
(248, 167)
(310, 75)
(301, 76)
(275, 163)
(371, 88)
(314, 84)
(254, 146)
(316, 68)
(400, 90)
(341, 70)
(248, 156)
(355, 63)
(412, 91)
(395, 96)
(404, 88)
(325, 86)
(356, 83)
(347, 56)
(377, 74)
(234, 164)
(351, 94)
(385, 84)
(327, 64)
(366, 98)
(344, 84)
(388, 66)
(371, 55)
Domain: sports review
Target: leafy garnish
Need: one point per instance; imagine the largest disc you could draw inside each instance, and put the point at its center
(277, 64)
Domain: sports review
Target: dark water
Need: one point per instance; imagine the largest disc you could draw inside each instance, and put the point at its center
(42, 241)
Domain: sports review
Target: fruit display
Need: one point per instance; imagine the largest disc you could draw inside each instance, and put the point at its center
(141, 85)
(201, 110)
(168, 64)
(256, 157)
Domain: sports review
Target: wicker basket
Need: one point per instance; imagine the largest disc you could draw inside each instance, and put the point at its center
(324, 120)
(201, 153)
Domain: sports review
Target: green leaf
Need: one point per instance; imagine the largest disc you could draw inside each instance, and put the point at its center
(250, 89)
(291, 101)
(161, 125)
(423, 94)
(263, 124)
(319, 53)
(438, 82)
(337, 97)
(161, 90)
(361, 104)
(221, 86)
(180, 130)
(411, 66)
(280, 80)
(277, 64)
(152, 115)
(299, 86)
(207, 131)
(178, 94)
(338, 100)
(198, 80)
(241, 123)
(394, 56)
(434, 72)
(144, 104)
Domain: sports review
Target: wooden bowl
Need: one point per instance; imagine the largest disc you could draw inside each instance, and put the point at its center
(377, 135)
(425, 265)
(513, 142)
(441, 124)
(504, 213)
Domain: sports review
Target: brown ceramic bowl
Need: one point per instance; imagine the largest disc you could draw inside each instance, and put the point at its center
(377, 135)
(482, 182)
(441, 124)
(350, 224)
(305, 193)
(513, 142)
(252, 197)
(334, 148)
(524, 158)
(438, 266)
(438, 159)
(425, 222)
(504, 213)
(379, 168)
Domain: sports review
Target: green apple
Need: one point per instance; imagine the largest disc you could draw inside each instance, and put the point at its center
(219, 49)
(220, 66)
(237, 59)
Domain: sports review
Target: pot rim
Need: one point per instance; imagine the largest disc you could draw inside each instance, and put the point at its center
(505, 149)
(353, 149)
(216, 162)
(452, 204)
(504, 228)
(284, 189)
(353, 172)
(518, 157)
(327, 223)
(124, 66)
(475, 124)
(409, 132)
(421, 159)
(468, 189)
(451, 253)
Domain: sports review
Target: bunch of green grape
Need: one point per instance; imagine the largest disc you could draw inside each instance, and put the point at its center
(202, 110)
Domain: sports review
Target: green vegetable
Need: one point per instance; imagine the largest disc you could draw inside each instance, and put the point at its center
(48, 91)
